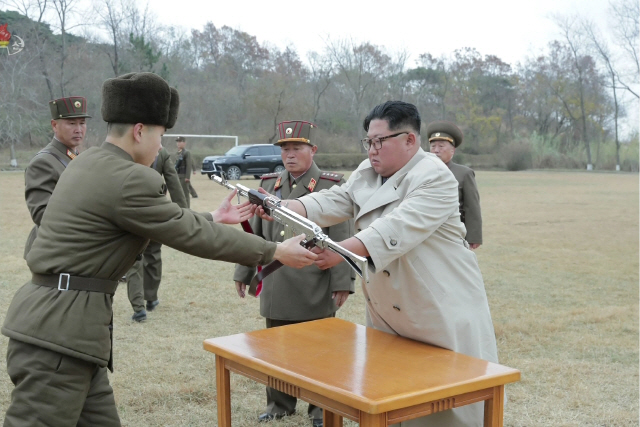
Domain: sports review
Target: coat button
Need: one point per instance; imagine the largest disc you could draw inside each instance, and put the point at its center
(393, 242)
(282, 233)
(386, 273)
(396, 307)
(294, 185)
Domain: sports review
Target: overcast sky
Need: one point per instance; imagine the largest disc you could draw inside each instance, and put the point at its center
(508, 29)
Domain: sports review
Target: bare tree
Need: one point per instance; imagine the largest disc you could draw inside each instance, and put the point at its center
(625, 14)
(65, 9)
(322, 72)
(35, 10)
(111, 15)
(574, 39)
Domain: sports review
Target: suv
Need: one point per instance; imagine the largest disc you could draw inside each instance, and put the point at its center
(255, 159)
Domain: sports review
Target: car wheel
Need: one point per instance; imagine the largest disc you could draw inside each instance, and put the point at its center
(256, 176)
(278, 169)
(233, 173)
(209, 175)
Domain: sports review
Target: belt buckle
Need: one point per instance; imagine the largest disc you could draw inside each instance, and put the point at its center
(60, 288)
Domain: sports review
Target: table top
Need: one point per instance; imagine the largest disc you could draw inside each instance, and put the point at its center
(362, 367)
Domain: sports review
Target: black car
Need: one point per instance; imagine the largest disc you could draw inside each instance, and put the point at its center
(255, 159)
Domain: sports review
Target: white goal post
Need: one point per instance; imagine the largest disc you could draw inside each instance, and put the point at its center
(170, 135)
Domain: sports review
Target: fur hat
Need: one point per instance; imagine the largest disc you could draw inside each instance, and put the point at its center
(139, 98)
(445, 131)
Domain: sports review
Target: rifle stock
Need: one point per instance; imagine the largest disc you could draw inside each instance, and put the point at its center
(295, 224)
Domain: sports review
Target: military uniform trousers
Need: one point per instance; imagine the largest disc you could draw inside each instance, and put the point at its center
(185, 188)
(282, 403)
(143, 278)
(69, 392)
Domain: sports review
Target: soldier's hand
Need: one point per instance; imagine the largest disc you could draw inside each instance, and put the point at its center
(291, 254)
(326, 258)
(240, 289)
(474, 245)
(340, 297)
(228, 213)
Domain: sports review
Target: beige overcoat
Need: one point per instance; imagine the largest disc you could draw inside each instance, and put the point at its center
(426, 283)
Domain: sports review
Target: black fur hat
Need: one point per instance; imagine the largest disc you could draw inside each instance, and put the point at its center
(139, 98)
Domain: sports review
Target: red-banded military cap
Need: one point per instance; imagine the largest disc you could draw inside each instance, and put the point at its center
(296, 131)
(445, 131)
(71, 107)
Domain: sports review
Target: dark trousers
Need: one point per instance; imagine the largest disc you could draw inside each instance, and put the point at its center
(143, 279)
(282, 403)
(52, 389)
(192, 190)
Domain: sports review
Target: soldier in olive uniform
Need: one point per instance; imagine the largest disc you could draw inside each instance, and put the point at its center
(143, 279)
(444, 138)
(192, 190)
(184, 166)
(292, 296)
(68, 121)
(104, 210)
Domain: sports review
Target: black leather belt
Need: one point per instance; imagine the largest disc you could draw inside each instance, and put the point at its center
(66, 282)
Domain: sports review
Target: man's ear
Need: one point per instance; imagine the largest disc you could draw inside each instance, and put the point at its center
(137, 131)
(314, 149)
(411, 139)
(54, 125)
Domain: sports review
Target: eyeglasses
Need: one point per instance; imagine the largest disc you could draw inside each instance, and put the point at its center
(376, 143)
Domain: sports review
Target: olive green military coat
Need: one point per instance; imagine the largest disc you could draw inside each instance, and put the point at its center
(101, 215)
(469, 199)
(165, 167)
(40, 178)
(299, 294)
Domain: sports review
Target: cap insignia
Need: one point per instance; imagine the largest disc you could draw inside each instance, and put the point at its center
(437, 134)
(289, 131)
(77, 104)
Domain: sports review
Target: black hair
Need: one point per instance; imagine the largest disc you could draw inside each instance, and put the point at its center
(397, 114)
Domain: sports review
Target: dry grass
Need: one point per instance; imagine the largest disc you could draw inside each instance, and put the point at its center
(561, 269)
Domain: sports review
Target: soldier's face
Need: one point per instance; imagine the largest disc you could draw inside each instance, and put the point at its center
(181, 144)
(443, 149)
(394, 153)
(297, 157)
(70, 132)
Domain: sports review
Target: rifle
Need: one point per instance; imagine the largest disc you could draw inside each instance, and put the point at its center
(295, 224)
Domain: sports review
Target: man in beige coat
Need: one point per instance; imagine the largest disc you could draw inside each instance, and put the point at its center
(426, 284)
(106, 207)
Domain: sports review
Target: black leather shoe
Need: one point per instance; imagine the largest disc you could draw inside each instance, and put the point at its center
(151, 305)
(266, 417)
(316, 422)
(139, 316)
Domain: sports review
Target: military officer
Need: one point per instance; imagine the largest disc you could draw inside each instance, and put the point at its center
(444, 138)
(184, 166)
(104, 210)
(68, 121)
(425, 282)
(143, 279)
(283, 300)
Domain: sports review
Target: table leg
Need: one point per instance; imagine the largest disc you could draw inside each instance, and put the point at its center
(223, 388)
(331, 419)
(494, 408)
(373, 420)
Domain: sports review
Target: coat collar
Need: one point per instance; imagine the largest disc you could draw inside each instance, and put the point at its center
(114, 149)
(386, 193)
(63, 149)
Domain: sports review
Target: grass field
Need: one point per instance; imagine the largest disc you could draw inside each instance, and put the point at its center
(560, 264)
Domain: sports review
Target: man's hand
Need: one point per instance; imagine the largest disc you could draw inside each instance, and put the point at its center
(474, 245)
(186, 180)
(240, 289)
(291, 254)
(326, 258)
(340, 297)
(233, 214)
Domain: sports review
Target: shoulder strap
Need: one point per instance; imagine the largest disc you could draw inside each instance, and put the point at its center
(332, 176)
(54, 155)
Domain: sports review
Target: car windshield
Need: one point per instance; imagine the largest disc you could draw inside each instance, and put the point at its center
(235, 151)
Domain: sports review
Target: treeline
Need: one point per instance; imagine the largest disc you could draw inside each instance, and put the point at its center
(561, 108)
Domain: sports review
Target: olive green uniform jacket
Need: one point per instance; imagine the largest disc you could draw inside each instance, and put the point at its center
(164, 166)
(40, 178)
(299, 294)
(101, 215)
(469, 201)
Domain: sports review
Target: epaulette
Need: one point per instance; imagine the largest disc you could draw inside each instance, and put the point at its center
(270, 175)
(332, 176)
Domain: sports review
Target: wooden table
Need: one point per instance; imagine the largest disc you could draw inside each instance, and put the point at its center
(358, 373)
